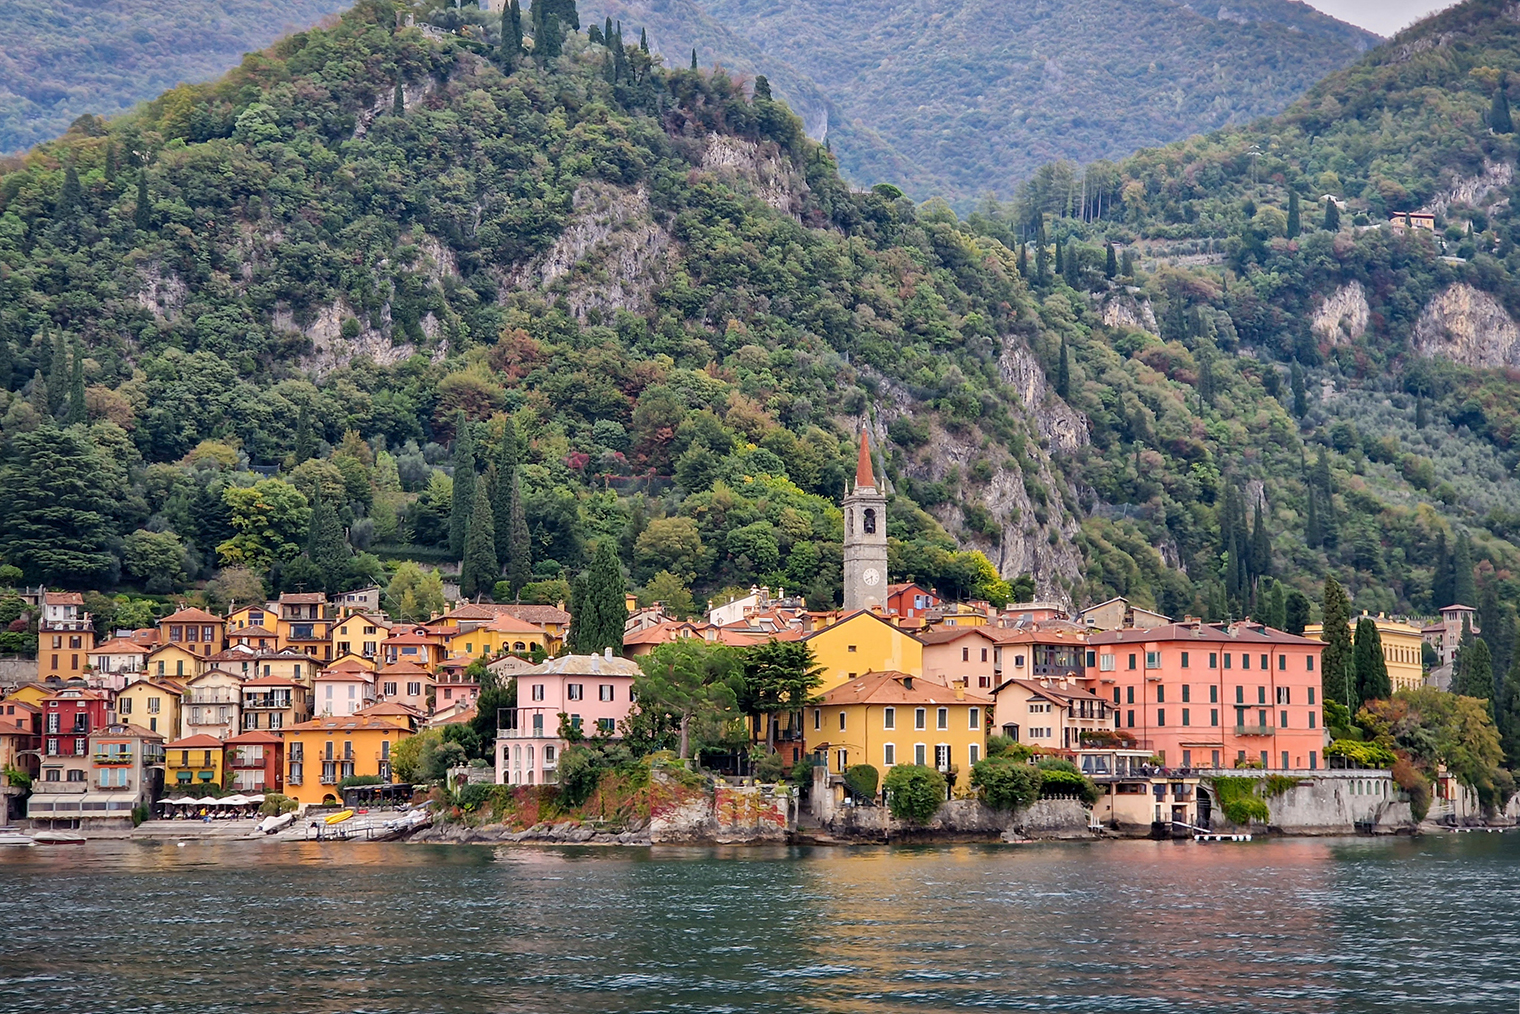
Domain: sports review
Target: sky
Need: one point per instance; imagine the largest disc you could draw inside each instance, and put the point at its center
(1381, 16)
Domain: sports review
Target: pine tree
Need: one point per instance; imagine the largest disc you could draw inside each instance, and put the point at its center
(58, 373)
(1332, 215)
(142, 214)
(1372, 683)
(1336, 675)
(1463, 587)
(1498, 112)
(601, 608)
(1110, 261)
(594, 35)
(1063, 372)
(478, 569)
(76, 388)
(519, 547)
(464, 484)
(1295, 223)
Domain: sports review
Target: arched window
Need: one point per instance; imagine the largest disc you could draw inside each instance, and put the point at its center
(868, 521)
(519, 646)
(849, 526)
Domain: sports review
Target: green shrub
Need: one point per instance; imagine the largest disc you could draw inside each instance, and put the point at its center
(1238, 800)
(1005, 746)
(914, 792)
(473, 795)
(275, 804)
(1060, 781)
(580, 770)
(1409, 778)
(1276, 785)
(861, 780)
(353, 780)
(1006, 784)
(771, 768)
(1367, 755)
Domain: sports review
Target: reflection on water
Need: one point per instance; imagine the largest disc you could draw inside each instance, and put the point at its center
(1283, 926)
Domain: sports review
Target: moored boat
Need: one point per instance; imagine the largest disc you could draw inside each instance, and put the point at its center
(58, 838)
(13, 836)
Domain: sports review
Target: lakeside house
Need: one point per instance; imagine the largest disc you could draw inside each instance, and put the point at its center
(592, 693)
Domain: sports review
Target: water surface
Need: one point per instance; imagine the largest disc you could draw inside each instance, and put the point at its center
(1311, 925)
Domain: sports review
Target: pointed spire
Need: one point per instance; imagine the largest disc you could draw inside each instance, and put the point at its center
(863, 474)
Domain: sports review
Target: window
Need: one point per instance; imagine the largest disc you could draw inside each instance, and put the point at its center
(575, 691)
(1187, 694)
(1264, 662)
(1261, 695)
(849, 648)
(1131, 660)
(889, 718)
(984, 654)
(965, 654)
(1129, 695)
(841, 721)
(975, 721)
(538, 691)
(605, 726)
(1310, 659)
(1282, 662)
(1184, 660)
(1313, 760)
(942, 718)
(942, 757)
(1160, 694)
(604, 692)
(124, 706)
(1116, 695)
(1092, 659)
(538, 725)
(1131, 720)
(1187, 717)
(844, 760)
(1261, 718)
(1213, 693)
(1283, 724)
(919, 756)
(1227, 660)
(1240, 695)
(868, 521)
(78, 776)
(1153, 660)
(1214, 717)
(889, 754)
(1311, 719)
(1245, 659)
(575, 722)
(1282, 695)
(920, 718)
(388, 689)
(817, 718)
(1105, 663)
(1160, 716)
(1311, 695)
(1213, 660)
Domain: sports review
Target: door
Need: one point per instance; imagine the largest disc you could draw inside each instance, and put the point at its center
(1205, 807)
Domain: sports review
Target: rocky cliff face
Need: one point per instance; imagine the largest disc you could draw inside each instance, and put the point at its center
(1467, 326)
(1342, 316)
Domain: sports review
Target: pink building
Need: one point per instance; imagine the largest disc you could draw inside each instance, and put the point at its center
(593, 693)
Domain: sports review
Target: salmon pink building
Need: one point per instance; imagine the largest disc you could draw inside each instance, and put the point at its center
(1209, 695)
(593, 693)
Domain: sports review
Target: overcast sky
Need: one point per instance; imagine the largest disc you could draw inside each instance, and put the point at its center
(1382, 16)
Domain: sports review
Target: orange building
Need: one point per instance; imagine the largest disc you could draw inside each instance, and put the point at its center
(1214, 695)
(196, 631)
(65, 635)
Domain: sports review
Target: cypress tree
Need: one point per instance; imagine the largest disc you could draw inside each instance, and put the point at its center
(1336, 675)
(1442, 590)
(58, 373)
(1063, 372)
(398, 100)
(1073, 263)
(1024, 261)
(142, 214)
(693, 57)
(1261, 547)
(1464, 589)
(1507, 714)
(594, 35)
(1332, 215)
(601, 606)
(519, 547)
(306, 442)
(67, 205)
(1421, 414)
(464, 484)
(511, 35)
(644, 47)
(76, 388)
(1060, 259)
(7, 362)
(1295, 223)
(1128, 268)
(1314, 535)
(1275, 613)
(38, 398)
(505, 468)
(1300, 393)
(1498, 112)
(1041, 257)
(1474, 670)
(478, 569)
(607, 31)
(762, 88)
(1296, 612)
(1372, 683)
(1110, 261)
(325, 545)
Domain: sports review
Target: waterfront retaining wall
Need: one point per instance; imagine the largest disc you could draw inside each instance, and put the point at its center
(1332, 802)
(965, 818)
(727, 814)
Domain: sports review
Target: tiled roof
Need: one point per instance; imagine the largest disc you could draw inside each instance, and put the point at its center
(271, 681)
(506, 623)
(345, 723)
(62, 598)
(255, 631)
(404, 667)
(584, 665)
(1239, 633)
(253, 736)
(891, 687)
(189, 614)
(303, 599)
(119, 646)
(194, 743)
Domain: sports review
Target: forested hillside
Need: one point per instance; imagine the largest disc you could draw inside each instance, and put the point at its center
(1284, 344)
(586, 304)
(64, 58)
(961, 100)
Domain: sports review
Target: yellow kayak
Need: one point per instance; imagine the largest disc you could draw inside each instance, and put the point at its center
(339, 817)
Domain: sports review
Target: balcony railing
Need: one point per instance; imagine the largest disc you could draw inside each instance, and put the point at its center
(115, 788)
(113, 758)
(1253, 730)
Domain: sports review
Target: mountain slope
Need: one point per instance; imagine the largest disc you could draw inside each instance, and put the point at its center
(967, 99)
(64, 58)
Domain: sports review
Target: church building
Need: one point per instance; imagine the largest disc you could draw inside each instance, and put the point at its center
(865, 537)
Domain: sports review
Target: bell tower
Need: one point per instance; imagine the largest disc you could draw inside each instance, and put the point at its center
(865, 537)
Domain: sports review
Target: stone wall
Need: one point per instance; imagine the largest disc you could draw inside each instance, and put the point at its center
(966, 818)
(728, 814)
(1332, 802)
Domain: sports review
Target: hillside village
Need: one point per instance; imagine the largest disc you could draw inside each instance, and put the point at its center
(308, 702)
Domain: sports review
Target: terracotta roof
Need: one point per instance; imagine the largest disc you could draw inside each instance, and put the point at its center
(345, 723)
(350, 665)
(894, 589)
(584, 665)
(62, 599)
(863, 476)
(254, 631)
(944, 635)
(119, 729)
(390, 708)
(404, 667)
(118, 646)
(1052, 692)
(303, 599)
(470, 611)
(891, 687)
(166, 688)
(218, 672)
(344, 677)
(861, 612)
(539, 614)
(190, 614)
(411, 638)
(9, 701)
(506, 623)
(195, 742)
(271, 681)
(1240, 633)
(459, 717)
(659, 633)
(253, 736)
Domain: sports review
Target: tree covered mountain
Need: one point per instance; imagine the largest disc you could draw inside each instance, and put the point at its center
(962, 100)
(65, 58)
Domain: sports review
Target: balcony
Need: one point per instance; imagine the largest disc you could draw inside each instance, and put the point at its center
(1254, 730)
(123, 757)
(117, 788)
(266, 701)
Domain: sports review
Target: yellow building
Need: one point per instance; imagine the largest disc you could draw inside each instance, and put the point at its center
(172, 662)
(65, 635)
(29, 693)
(196, 760)
(1401, 649)
(359, 634)
(889, 718)
(504, 635)
(321, 753)
(863, 643)
(152, 706)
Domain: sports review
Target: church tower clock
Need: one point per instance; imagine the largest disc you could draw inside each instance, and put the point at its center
(865, 537)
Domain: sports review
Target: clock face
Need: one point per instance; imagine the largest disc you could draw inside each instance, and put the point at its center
(871, 576)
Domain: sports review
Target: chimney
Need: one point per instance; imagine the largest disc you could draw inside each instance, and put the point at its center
(607, 653)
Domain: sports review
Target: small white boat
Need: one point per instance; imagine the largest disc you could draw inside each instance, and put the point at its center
(12, 836)
(58, 838)
(269, 825)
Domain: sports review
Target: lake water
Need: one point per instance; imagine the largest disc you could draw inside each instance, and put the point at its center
(1308, 925)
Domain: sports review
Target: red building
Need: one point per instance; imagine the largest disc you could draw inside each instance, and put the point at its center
(68, 718)
(255, 762)
(1209, 695)
(910, 601)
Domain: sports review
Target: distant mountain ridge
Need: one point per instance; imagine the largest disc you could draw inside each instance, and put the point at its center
(962, 100)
